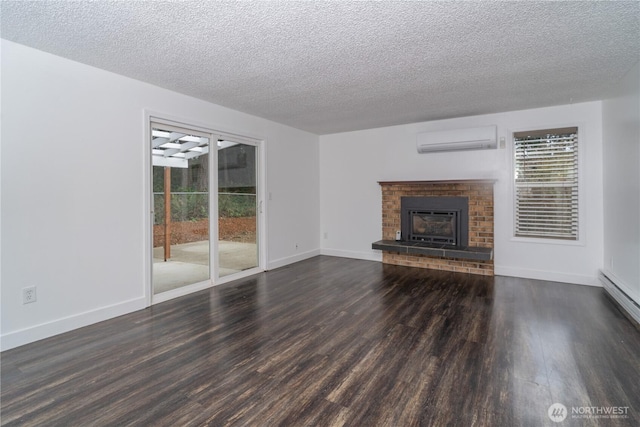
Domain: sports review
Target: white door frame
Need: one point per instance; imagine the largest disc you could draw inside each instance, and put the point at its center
(147, 170)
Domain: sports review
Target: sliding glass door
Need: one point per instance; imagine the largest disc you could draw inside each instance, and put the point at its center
(237, 207)
(181, 214)
(205, 208)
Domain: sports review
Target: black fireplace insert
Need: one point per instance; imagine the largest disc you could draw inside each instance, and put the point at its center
(435, 220)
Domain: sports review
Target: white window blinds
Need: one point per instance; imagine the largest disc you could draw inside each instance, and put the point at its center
(546, 182)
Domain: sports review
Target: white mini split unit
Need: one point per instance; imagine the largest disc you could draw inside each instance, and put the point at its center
(480, 138)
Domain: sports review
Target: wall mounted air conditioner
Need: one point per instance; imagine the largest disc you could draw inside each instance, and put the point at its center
(479, 138)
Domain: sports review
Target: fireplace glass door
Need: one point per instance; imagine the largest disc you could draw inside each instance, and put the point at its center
(434, 227)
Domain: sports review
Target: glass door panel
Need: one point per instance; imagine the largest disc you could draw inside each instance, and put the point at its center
(237, 207)
(181, 250)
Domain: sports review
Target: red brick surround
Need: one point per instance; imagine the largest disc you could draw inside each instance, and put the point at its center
(480, 194)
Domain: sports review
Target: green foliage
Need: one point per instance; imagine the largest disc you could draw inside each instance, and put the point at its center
(236, 205)
(184, 207)
(194, 206)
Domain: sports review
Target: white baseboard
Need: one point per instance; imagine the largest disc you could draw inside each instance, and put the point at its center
(45, 330)
(367, 256)
(291, 259)
(615, 289)
(550, 276)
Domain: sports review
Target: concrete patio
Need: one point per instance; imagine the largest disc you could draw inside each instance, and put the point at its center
(189, 263)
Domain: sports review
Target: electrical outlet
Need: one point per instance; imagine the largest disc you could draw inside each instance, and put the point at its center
(326, 235)
(29, 295)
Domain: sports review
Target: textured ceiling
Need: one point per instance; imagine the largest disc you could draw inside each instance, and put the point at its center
(328, 67)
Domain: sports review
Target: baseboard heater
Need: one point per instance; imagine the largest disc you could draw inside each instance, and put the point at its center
(626, 303)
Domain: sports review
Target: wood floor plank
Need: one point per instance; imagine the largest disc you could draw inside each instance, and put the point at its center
(337, 342)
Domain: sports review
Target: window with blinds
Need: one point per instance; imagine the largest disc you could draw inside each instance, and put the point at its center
(546, 183)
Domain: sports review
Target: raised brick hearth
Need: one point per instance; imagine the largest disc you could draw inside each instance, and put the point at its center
(480, 194)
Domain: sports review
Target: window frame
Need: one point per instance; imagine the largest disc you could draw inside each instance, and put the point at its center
(581, 152)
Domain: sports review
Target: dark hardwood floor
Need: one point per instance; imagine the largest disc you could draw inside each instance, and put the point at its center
(331, 342)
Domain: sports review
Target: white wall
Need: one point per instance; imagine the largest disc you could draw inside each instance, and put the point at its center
(352, 163)
(72, 189)
(621, 135)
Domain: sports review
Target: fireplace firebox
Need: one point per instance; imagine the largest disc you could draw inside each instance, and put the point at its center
(435, 220)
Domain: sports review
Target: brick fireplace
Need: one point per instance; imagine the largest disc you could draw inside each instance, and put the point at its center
(476, 257)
